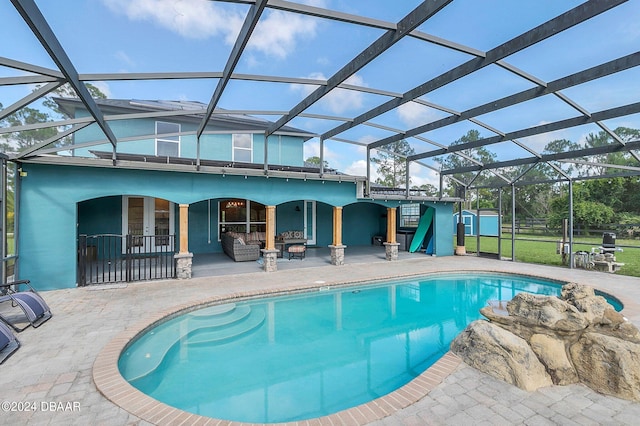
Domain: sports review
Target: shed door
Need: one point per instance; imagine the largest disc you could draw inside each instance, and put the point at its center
(468, 224)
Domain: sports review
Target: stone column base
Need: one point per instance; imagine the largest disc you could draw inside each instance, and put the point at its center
(337, 254)
(391, 250)
(183, 265)
(270, 258)
(461, 250)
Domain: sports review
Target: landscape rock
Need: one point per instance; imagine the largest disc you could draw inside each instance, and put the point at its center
(540, 340)
(608, 365)
(495, 351)
(553, 355)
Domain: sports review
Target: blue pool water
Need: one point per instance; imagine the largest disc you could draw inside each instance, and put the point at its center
(308, 355)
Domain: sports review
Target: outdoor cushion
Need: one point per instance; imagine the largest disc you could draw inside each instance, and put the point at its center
(8, 343)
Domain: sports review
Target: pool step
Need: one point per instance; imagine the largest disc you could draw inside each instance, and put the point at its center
(213, 311)
(218, 318)
(219, 322)
(215, 334)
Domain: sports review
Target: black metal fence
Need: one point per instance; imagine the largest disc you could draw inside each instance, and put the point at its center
(110, 258)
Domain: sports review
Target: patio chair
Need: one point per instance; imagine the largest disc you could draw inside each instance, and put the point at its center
(33, 306)
(8, 342)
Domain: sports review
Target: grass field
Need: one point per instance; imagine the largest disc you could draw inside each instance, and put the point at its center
(542, 250)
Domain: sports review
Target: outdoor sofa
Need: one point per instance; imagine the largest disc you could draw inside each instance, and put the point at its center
(291, 237)
(234, 246)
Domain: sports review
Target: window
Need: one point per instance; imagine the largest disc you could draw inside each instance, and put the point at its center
(167, 146)
(409, 215)
(244, 216)
(243, 148)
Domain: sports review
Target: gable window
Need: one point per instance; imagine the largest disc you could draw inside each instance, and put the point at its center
(409, 215)
(167, 145)
(243, 216)
(243, 147)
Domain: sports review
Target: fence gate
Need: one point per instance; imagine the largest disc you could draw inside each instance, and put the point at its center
(110, 258)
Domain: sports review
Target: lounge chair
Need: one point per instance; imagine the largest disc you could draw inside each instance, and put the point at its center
(32, 304)
(8, 342)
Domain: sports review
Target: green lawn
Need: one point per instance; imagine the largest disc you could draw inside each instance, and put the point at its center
(531, 249)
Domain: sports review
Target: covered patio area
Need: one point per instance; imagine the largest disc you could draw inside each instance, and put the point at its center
(215, 264)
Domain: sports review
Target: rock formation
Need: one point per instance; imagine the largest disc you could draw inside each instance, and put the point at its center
(544, 340)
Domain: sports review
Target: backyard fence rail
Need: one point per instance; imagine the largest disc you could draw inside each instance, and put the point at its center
(111, 258)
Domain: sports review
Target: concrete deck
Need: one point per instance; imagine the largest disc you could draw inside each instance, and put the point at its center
(50, 379)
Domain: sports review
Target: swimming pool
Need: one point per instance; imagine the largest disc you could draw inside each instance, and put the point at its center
(307, 355)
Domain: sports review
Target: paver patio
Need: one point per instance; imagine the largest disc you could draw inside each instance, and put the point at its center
(52, 372)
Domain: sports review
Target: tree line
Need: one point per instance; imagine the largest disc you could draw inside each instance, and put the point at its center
(598, 198)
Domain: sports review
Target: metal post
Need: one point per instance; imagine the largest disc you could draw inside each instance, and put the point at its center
(3, 223)
(368, 172)
(321, 157)
(266, 153)
(570, 224)
(513, 222)
(499, 223)
(198, 153)
(478, 220)
(82, 260)
(407, 177)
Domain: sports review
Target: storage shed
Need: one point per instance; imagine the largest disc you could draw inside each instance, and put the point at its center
(488, 224)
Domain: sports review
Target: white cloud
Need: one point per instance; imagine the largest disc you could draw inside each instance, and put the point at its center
(338, 100)
(193, 19)
(312, 149)
(538, 142)
(103, 87)
(124, 58)
(359, 168)
(278, 32)
(275, 35)
(413, 114)
(421, 175)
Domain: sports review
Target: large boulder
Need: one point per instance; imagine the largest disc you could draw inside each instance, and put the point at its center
(608, 365)
(531, 314)
(551, 351)
(540, 339)
(499, 353)
(602, 317)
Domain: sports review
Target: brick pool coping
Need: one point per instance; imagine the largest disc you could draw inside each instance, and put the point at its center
(111, 384)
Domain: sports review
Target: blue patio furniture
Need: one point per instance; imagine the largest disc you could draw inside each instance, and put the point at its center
(8, 342)
(33, 306)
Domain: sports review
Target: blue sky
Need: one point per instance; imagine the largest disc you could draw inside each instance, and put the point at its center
(193, 35)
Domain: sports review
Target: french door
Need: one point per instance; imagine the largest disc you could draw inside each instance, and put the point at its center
(310, 222)
(149, 221)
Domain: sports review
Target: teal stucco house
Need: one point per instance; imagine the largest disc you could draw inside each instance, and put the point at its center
(167, 189)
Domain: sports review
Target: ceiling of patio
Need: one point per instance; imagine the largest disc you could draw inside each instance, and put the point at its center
(358, 74)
